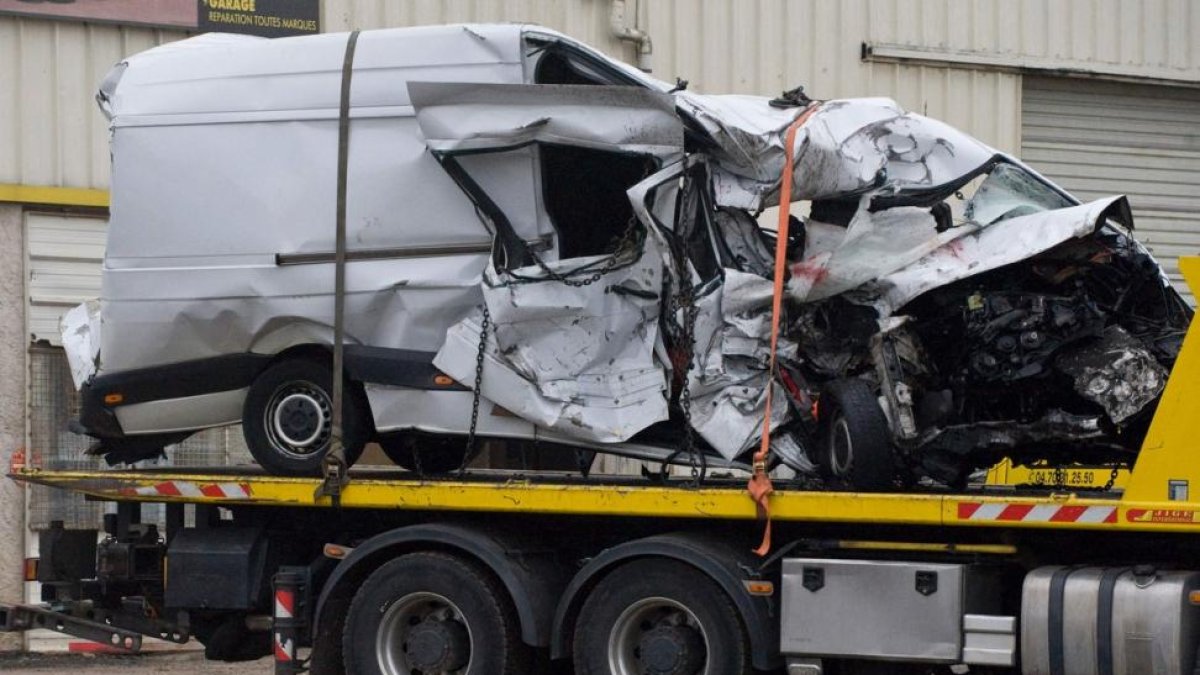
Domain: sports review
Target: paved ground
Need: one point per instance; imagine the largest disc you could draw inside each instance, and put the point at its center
(186, 663)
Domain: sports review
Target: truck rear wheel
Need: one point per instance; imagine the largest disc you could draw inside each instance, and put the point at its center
(433, 613)
(662, 617)
(288, 418)
(855, 444)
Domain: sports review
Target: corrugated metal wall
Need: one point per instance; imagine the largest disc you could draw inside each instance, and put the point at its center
(1155, 38)
(1103, 138)
(52, 134)
(62, 268)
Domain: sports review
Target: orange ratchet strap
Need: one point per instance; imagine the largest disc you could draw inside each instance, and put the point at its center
(760, 483)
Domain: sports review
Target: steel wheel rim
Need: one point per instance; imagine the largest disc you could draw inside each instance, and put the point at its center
(841, 447)
(624, 638)
(298, 398)
(398, 621)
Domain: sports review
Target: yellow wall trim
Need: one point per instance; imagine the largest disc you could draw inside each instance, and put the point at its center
(58, 196)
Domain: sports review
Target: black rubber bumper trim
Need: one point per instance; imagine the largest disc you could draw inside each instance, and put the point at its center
(176, 380)
(397, 368)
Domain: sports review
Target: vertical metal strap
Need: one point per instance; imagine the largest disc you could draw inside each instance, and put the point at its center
(1056, 623)
(1104, 619)
(335, 460)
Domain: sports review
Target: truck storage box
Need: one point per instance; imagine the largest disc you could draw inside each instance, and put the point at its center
(872, 609)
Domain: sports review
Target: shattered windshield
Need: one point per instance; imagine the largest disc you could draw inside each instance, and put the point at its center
(1008, 191)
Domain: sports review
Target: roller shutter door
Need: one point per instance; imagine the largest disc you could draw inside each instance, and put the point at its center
(1103, 138)
(63, 263)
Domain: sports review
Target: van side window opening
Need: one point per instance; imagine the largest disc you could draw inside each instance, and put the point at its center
(556, 68)
(558, 64)
(693, 224)
(584, 196)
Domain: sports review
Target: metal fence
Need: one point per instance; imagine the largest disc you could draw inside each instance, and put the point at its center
(53, 402)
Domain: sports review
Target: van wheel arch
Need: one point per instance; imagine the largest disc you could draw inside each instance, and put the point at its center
(287, 414)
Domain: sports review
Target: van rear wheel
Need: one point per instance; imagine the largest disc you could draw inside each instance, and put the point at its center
(287, 420)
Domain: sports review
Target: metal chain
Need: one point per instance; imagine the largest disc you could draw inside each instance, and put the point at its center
(469, 452)
(1112, 478)
(684, 301)
(685, 395)
(625, 244)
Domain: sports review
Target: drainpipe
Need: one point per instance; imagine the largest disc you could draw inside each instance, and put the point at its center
(639, 38)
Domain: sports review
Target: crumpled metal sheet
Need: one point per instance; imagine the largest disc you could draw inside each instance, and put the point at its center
(1117, 372)
(874, 244)
(458, 117)
(847, 147)
(743, 238)
(580, 360)
(979, 249)
(81, 340)
(729, 381)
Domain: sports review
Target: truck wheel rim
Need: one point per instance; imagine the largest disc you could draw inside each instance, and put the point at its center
(423, 633)
(665, 626)
(298, 419)
(841, 447)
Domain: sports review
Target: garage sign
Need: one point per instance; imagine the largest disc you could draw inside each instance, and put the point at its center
(266, 18)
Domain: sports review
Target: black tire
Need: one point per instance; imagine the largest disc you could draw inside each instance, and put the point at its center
(855, 443)
(660, 613)
(462, 601)
(437, 455)
(305, 387)
(226, 638)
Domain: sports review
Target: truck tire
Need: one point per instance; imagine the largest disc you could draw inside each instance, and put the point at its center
(855, 443)
(433, 612)
(437, 455)
(659, 616)
(287, 418)
(226, 638)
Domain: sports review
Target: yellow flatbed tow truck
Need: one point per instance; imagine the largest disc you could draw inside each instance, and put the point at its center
(505, 572)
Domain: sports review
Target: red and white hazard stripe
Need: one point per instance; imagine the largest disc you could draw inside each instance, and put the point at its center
(1003, 512)
(285, 650)
(285, 604)
(285, 608)
(187, 488)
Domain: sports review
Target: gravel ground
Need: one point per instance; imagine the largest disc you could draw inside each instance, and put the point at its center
(183, 663)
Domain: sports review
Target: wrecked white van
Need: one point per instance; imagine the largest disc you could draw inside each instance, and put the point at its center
(544, 244)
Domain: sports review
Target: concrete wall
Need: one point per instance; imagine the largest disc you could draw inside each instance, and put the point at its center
(12, 407)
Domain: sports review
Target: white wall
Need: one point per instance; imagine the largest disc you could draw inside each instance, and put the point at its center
(12, 408)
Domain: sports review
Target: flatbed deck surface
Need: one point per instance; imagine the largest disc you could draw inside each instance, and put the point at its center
(564, 494)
